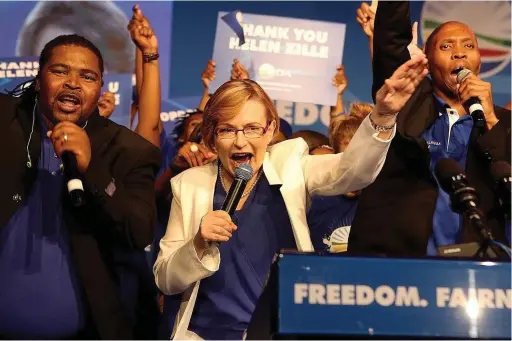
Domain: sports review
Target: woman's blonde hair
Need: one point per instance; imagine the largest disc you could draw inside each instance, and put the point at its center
(360, 110)
(344, 129)
(227, 102)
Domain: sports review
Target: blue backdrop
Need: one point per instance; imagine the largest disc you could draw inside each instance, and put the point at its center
(194, 26)
(186, 33)
(27, 26)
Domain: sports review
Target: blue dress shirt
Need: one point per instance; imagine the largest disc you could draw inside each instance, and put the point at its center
(40, 297)
(448, 137)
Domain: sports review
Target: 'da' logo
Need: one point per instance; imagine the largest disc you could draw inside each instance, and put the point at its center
(268, 71)
(338, 240)
(489, 20)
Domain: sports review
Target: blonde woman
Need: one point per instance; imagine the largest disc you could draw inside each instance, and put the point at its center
(221, 284)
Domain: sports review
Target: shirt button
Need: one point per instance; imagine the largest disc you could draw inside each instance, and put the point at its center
(16, 197)
(54, 155)
(54, 172)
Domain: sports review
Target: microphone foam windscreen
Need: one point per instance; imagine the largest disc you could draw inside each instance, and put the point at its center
(244, 171)
(445, 171)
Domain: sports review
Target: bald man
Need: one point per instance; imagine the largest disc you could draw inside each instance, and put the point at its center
(434, 124)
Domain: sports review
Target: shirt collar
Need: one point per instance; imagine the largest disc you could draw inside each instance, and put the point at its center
(441, 105)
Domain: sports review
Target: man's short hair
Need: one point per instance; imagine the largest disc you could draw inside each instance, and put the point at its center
(69, 40)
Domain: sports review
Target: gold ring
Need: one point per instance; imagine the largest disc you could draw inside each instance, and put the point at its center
(193, 148)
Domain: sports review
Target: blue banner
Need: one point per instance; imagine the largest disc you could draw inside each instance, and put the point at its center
(28, 25)
(343, 295)
(171, 115)
(121, 86)
(16, 70)
(290, 58)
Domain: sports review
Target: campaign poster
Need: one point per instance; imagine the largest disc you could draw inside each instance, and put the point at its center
(292, 59)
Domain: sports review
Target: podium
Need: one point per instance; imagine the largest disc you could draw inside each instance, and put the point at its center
(340, 296)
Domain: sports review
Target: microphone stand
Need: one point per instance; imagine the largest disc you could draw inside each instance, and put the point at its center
(463, 201)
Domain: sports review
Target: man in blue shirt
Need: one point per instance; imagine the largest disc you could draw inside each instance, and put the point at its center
(404, 212)
(58, 262)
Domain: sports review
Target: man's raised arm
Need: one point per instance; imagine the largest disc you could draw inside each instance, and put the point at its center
(392, 35)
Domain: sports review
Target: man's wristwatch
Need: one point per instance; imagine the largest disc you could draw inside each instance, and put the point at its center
(381, 128)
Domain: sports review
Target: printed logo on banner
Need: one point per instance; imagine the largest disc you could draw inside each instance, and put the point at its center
(338, 240)
(489, 20)
(268, 71)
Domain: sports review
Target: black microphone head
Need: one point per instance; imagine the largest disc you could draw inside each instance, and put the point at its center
(244, 172)
(447, 172)
(500, 170)
(463, 73)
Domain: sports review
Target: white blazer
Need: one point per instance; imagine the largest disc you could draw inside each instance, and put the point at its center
(178, 268)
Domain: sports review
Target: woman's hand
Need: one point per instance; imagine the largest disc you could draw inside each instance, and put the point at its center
(216, 226)
(397, 90)
(193, 155)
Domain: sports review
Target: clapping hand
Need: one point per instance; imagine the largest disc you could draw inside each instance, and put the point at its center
(208, 74)
(238, 71)
(340, 80)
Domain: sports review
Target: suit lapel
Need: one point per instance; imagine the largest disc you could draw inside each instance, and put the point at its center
(293, 198)
(270, 172)
(99, 136)
(202, 200)
(17, 178)
(419, 112)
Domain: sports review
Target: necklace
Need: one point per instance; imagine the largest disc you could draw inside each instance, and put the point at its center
(247, 192)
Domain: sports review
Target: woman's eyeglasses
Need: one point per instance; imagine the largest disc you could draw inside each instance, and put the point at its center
(250, 132)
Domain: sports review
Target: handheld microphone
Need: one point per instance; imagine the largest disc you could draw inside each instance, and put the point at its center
(500, 172)
(243, 173)
(476, 110)
(463, 198)
(72, 176)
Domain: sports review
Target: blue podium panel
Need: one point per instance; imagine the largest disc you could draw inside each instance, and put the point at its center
(343, 295)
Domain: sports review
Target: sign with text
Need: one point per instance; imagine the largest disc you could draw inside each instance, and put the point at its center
(292, 59)
(386, 297)
(120, 84)
(17, 70)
